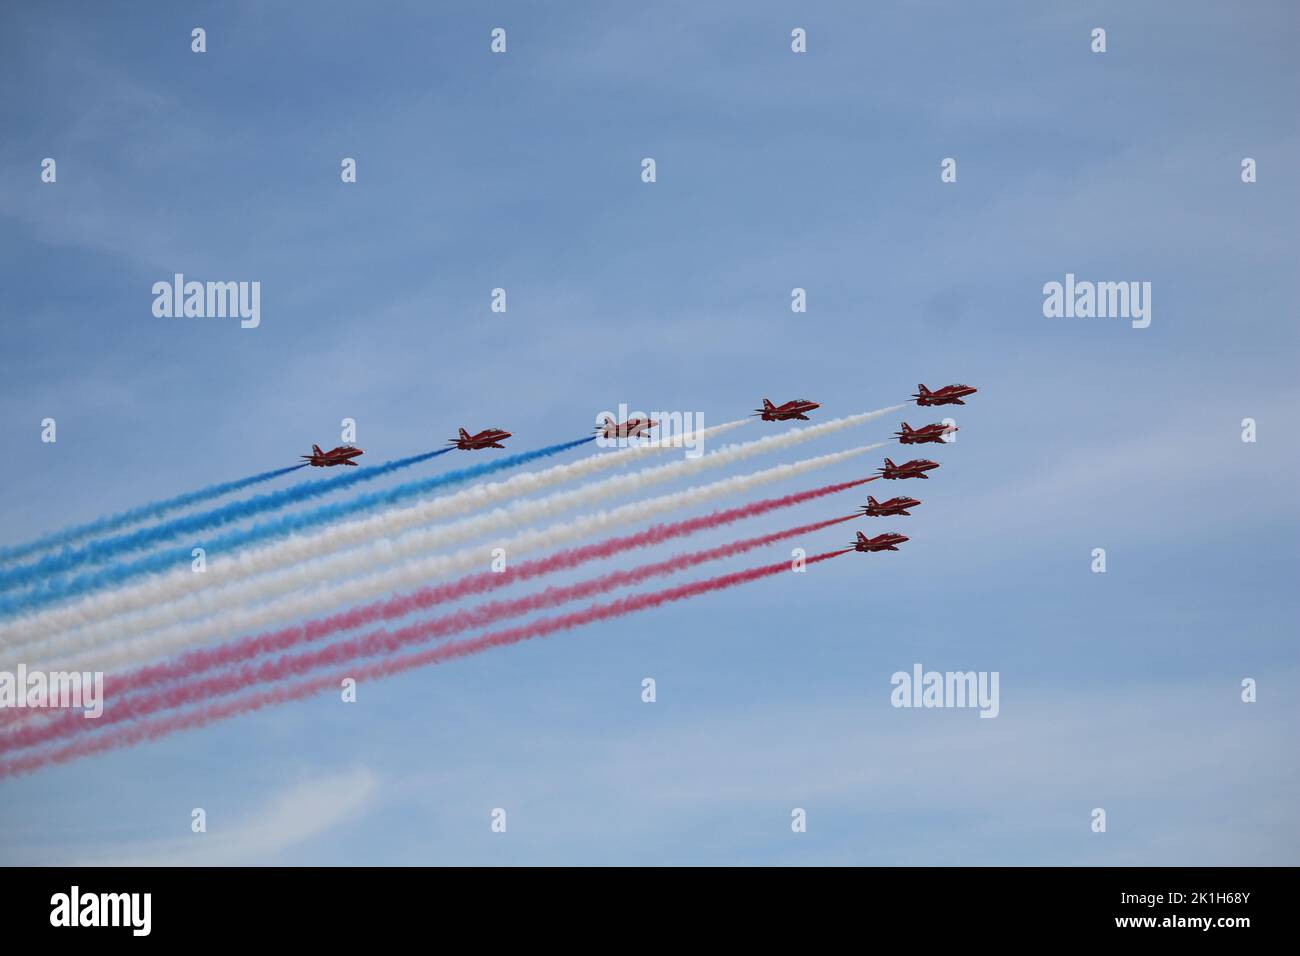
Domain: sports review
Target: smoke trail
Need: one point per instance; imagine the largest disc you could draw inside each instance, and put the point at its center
(122, 519)
(97, 552)
(222, 569)
(198, 661)
(429, 596)
(286, 524)
(198, 689)
(242, 618)
(381, 550)
(153, 729)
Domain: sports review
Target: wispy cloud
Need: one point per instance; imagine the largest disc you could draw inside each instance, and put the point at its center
(293, 816)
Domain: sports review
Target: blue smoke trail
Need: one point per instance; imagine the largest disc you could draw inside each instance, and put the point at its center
(155, 509)
(48, 592)
(97, 552)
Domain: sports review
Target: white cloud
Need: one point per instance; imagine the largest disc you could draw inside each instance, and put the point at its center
(295, 815)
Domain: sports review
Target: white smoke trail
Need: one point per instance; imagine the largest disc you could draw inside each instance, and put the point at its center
(98, 609)
(312, 603)
(304, 566)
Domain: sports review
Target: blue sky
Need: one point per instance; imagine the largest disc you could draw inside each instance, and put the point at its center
(775, 170)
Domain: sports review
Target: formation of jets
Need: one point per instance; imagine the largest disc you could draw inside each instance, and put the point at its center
(794, 409)
(916, 468)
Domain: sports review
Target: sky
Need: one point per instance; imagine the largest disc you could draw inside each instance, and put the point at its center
(774, 171)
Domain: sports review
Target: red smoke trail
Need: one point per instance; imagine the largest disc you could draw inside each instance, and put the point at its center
(196, 661)
(200, 717)
(68, 723)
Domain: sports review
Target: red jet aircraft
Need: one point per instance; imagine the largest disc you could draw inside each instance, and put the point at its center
(894, 506)
(488, 438)
(927, 433)
(632, 428)
(948, 395)
(342, 455)
(881, 542)
(782, 413)
(916, 468)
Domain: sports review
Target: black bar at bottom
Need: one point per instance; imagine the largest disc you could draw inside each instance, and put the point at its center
(328, 906)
